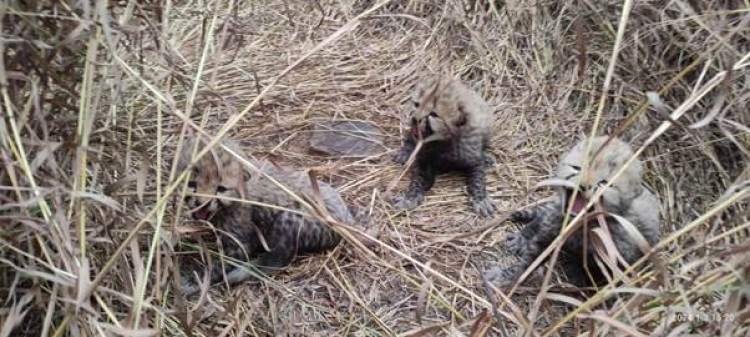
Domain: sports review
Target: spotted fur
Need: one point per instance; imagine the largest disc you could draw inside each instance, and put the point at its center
(455, 124)
(274, 215)
(625, 197)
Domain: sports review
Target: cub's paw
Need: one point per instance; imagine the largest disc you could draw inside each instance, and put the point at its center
(489, 160)
(189, 286)
(522, 216)
(367, 225)
(482, 207)
(501, 277)
(406, 203)
(515, 243)
(401, 157)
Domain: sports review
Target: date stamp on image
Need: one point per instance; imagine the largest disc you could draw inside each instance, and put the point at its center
(703, 316)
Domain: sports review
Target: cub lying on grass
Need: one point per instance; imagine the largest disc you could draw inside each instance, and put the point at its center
(626, 197)
(269, 222)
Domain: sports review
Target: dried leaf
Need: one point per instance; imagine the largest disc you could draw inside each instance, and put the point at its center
(15, 315)
(454, 332)
(407, 165)
(140, 179)
(44, 154)
(100, 198)
(84, 284)
(481, 325)
(555, 182)
(718, 103)
(564, 299)
(422, 297)
(425, 331)
(661, 267)
(613, 323)
(31, 273)
(130, 332)
(658, 104)
(117, 185)
(580, 40)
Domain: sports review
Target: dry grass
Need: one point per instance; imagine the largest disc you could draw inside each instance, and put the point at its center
(95, 99)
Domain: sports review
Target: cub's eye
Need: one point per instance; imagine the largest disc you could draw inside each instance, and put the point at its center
(221, 189)
(602, 182)
(577, 168)
(192, 184)
(433, 114)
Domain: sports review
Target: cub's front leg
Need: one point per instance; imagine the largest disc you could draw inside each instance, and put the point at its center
(424, 178)
(540, 227)
(540, 223)
(232, 251)
(406, 149)
(477, 188)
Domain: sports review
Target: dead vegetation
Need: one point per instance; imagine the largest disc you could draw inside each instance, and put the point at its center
(96, 96)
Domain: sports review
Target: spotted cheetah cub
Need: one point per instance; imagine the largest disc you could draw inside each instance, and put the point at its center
(272, 226)
(455, 124)
(626, 196)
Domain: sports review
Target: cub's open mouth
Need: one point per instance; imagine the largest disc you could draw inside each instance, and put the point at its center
(578, 204)
(202, 213)
(426, 132)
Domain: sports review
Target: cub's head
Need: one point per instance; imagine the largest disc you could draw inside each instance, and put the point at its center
(438, 110)
(601, 169)
(216, 174)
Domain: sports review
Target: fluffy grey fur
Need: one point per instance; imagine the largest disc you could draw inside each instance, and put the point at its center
(274, 215)
(455, 124)
(625, 197)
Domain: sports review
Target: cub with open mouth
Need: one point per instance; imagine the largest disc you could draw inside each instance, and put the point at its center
(253, 215)
(455, 126)
(625, 197)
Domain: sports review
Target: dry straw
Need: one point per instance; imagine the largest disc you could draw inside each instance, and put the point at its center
(97, 96)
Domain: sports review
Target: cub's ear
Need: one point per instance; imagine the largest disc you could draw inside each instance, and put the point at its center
(242, 180)
(185, 156)
(633, 185)
(232, 145)
(462, 118)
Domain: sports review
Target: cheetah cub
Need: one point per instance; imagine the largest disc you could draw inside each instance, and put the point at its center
(271, 227)
(455, 124)
(626, 197)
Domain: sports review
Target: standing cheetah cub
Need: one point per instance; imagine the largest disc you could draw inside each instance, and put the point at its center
(455, 124)
(272, 225)
(625, 197)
